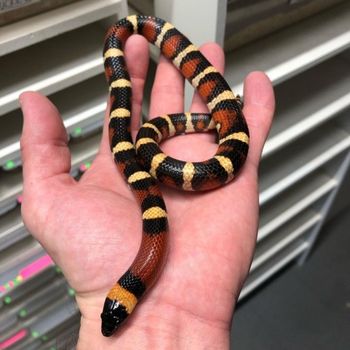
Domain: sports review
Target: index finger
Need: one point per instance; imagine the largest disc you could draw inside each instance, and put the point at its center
(136, 58)
(215, 55)
(168, 89)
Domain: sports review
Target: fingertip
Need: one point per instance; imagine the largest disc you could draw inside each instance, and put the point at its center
(167, 94)
(40, 116)
(29, 99)
(23, 97)
(26, 95)
(137, 56)
(214, 54)
(44, 139)
(258, 90)
(137, 61)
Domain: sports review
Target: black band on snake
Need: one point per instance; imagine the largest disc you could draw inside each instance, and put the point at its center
(225, 116)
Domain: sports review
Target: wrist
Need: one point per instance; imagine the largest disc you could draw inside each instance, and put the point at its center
(175, 329)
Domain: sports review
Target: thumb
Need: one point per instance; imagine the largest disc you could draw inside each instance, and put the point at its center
(45, 156)
(44, 149)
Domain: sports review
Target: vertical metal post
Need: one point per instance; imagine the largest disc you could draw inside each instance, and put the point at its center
(201, 21)
(340, 175)
(123, 12)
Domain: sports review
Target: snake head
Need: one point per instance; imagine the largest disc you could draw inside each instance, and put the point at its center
(112, 316)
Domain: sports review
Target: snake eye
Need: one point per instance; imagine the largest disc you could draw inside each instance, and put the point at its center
(112, 316)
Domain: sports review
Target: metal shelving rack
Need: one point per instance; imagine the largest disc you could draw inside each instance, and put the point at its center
(58, 53)
(304, 161)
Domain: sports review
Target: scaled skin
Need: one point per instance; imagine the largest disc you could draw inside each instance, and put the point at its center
(92, 228)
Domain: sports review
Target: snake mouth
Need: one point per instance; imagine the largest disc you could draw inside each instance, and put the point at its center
(112, 316)
(107, 328)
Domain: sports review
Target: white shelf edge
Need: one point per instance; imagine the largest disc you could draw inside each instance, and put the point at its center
(53, 83)
(303, 171)
(284, 242)
(10, 149)
(281, 263)
(12, 236)
(88, 113)
(300, 63)
(32, 30)
(12, 192)
(292, 133)
(295, 209)
(32, 248)
(309, 58)
(8, 231)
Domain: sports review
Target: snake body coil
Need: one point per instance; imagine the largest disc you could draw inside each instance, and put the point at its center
(150, 163)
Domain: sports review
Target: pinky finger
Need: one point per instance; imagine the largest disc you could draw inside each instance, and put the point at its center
(259, 107)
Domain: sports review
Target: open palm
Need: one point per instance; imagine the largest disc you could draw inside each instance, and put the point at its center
(92, 228)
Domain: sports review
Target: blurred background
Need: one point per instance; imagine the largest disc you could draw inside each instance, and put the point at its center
(297, 295)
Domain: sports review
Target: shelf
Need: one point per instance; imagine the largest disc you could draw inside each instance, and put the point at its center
(284, 236)
(38, 282)
(274, 265)
(9, 136)
(292, 50)
(32, 303)
(142, 6)
(295, 200)
(21, 340)
(9, 155)
(10, 188)
(85, 110)
(12, 229)
(53, 319)
(66, 339)
(68, 60)
(46, 25)
(7, 321)
(35, 302)
(12, 265)
(47, 324)
(304, 157)
(309, 100)
(82, 115)
(251, 20)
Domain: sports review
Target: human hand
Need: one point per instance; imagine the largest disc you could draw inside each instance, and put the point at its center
(92, 227)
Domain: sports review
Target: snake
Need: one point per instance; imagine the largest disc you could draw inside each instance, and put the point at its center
(143, 164)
